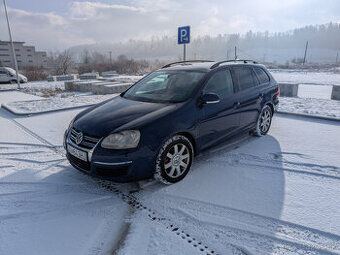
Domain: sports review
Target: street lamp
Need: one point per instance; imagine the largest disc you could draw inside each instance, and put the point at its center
(13, 51)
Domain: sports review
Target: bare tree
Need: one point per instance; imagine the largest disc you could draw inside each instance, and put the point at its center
(61, 63)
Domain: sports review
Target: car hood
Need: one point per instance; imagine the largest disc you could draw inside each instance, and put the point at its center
(22, 77)
(119, 114)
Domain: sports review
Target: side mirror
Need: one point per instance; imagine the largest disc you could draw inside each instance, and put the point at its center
(210, 98)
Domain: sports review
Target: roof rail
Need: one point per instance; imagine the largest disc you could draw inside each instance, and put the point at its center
(187, 61)
(233, 60)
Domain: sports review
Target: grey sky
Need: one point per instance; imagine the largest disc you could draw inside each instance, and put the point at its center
(60, 24)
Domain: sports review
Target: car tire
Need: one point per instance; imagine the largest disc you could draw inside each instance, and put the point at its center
(264, 121)
(12, 81)
(174, 160)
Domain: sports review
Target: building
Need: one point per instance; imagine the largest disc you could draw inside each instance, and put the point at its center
(26, 55)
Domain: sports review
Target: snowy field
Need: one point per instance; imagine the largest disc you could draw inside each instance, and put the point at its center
(277, 194)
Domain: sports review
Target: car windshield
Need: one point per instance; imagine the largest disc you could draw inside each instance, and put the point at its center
(165, 86)
(10, 70)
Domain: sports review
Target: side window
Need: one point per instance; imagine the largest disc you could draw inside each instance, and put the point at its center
(221, 84)
(245, 78)
(261, 74)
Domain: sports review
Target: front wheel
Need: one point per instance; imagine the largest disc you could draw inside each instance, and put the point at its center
(264, 121)
(174, 160)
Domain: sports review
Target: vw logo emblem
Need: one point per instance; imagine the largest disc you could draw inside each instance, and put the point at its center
(79, 138)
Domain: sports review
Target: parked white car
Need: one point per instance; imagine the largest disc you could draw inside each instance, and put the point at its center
(8, 75)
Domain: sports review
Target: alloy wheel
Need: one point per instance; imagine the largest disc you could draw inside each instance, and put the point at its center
(177, 160)
(265, 120)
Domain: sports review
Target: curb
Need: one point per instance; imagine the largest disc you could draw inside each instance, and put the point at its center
(309, 116)
(28, 114)
(7, 90)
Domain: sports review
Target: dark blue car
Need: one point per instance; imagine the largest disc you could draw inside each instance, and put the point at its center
(155, 128)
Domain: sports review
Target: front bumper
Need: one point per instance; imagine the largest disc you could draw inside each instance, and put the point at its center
(115, 165)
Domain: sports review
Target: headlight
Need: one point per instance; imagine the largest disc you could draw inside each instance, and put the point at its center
(123, 140)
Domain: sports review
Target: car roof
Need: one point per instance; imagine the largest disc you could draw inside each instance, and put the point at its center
(206, 65)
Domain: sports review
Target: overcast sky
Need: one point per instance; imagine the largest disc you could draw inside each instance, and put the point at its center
(59, 24)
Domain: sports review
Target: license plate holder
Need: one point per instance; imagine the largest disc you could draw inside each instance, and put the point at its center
(77, 153)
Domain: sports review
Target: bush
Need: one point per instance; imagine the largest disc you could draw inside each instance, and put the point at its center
(34, 73)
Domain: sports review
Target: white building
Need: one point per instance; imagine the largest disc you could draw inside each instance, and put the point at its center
(26, 55)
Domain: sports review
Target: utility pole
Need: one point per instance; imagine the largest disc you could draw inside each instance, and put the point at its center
(304, 57)
(337, 57)
(13, 51)
(235, 53)
(110, 52)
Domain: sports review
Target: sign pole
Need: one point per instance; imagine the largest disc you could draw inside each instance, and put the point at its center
(184, 51)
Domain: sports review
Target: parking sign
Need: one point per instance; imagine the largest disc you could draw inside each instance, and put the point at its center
(184, 35)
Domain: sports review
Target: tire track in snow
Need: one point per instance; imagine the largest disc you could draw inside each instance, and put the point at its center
(180, 220)
(251, 224)
(39, 138)
(129, 199)
(325, 171)
(169, 223)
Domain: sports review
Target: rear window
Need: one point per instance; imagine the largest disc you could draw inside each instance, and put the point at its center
(245, 78)
(262, 75)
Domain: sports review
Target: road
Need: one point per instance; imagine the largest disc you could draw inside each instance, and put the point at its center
(275, 194)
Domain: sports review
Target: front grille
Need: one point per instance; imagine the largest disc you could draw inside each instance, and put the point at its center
(87, 143)
(82, 165)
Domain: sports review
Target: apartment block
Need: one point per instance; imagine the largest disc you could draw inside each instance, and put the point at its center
(26, 55)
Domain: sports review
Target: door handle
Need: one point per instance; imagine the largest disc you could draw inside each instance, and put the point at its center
(237, 105)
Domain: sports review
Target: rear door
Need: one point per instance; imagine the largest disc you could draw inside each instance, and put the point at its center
(248, 97)
(218, 120)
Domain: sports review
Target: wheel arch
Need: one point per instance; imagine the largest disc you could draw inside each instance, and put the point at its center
(191, 139)
(271, 107)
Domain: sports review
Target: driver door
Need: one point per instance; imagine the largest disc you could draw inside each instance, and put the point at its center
(218, 120)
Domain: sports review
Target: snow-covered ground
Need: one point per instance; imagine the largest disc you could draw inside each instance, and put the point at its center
(35, 85)
(310, 107)
(306, 77)
(56, 103)
(277, 194)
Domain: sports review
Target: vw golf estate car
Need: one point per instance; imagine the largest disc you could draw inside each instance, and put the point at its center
(156, 127)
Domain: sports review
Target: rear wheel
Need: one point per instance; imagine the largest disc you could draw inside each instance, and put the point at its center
(12, 81)
(174, 160)
(264, 121)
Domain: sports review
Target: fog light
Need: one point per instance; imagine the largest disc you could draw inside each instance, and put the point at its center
(89, 155)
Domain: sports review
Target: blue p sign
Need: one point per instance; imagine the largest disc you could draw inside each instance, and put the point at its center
(184, 35)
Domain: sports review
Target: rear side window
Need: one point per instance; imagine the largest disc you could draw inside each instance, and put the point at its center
(262, 75)
(245, 78)
(221, 84)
